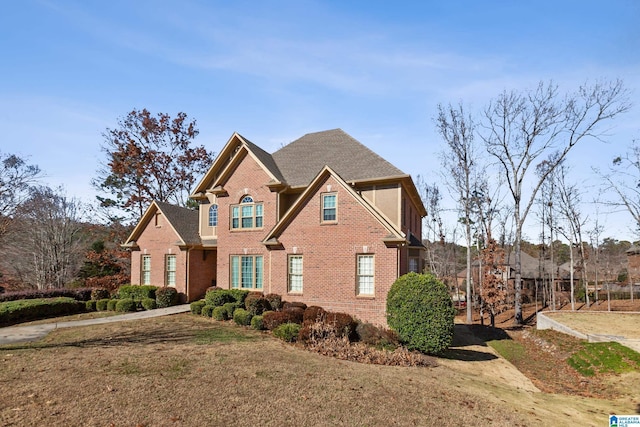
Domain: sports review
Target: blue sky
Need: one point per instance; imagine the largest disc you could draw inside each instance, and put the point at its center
(275, 70)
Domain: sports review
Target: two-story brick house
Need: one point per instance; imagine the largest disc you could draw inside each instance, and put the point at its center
(324, 220)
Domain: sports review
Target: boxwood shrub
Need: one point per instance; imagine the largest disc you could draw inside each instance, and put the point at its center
(102, 304)
(137, 291)
(196, 306)
(125, 305)
(99, 293)
(79, 294)
(111, 304)
(149, 304)
(230, 308)
(256, 323)
(287, 331)
(12, 312)
(90, 305)
(166, 297)
(256, 304)
(207, 311)
(420, 310)
(275, 301)
(218, 313)
(242, 317)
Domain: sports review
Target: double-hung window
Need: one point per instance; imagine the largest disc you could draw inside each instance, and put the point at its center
(246, 271)
(247, 214)
(145, 270)
(329, 207)
(295, 273)
(366, 275)
(170, 270)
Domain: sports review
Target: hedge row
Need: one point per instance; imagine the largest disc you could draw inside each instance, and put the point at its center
(12, 312)
(79, 294)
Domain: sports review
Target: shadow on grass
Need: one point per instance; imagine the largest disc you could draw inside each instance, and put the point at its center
(143, 336)
(473, 335)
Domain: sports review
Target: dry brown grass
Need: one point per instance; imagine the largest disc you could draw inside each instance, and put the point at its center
(602, 322)
(185, 370)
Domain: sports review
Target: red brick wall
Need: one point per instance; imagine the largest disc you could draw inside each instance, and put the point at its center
(329, 257)
(202, 273)
(158, 241)
(248, 179)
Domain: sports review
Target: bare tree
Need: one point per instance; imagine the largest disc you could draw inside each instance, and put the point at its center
(16, 177)
(623, 178)
(47, 241)
(521, 129)
(460, 160)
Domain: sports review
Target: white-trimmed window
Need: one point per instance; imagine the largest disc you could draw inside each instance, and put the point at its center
(366, 275)
(329, 207)
(247, 214)
(145, 270)
(246, 271)
(295, 273)
(213, 216)
(170, 270)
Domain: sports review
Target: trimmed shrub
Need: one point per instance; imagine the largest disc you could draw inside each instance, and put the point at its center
(80, 294)
(111, 304)
(275, 301)
(230, 308)
(314, 313)
(256, 323)
(207, 311)
(125, 305)
(242, 317)
(218, 313)
(343, 324)
(218, 297)
(137, 291)
(166, 297)
(12, 312)
(90, 305)
(99, 293)
(257, 304)
(296, 314)
(149, 304)
(287, 331)
(239, 295)
(196, 306)
(289, 305)
(378, 337)
(101, 304)
(273, 319)
(420, 310)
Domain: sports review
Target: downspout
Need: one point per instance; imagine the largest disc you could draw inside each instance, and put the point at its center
(186, 285)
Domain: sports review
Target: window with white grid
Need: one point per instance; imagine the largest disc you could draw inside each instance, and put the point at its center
(170, 270)
(145, 270)
(365, 275)
(295, 273)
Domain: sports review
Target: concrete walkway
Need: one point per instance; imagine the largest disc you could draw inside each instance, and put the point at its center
(17, 334)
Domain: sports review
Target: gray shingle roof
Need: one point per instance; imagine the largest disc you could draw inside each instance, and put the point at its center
(266, 159)
(300, 161)
(185, 221)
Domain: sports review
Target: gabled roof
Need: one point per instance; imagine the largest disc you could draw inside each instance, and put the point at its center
(226, 157)
(183, 221)
(300, 161)
(395, 235)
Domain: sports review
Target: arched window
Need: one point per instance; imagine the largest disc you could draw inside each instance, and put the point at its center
(247, 214)
(213, 216)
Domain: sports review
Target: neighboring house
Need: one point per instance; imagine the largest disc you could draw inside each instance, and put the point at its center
(324, 220)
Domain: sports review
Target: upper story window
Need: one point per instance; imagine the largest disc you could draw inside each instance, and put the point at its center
(329, 207)
(247, 214)
(213, 216)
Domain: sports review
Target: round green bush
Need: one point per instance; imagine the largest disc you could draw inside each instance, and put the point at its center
(242, 317)
(126, 304)
(275, 301)
(257, 323)
(420, 310)
(196, 306)
(166, 297)
(287, 331)
(111, 304)
(207, 311)
(91, 305)
(101, 304)
(149, 304)
(219, 313)
(218, 297)
(230, 308)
